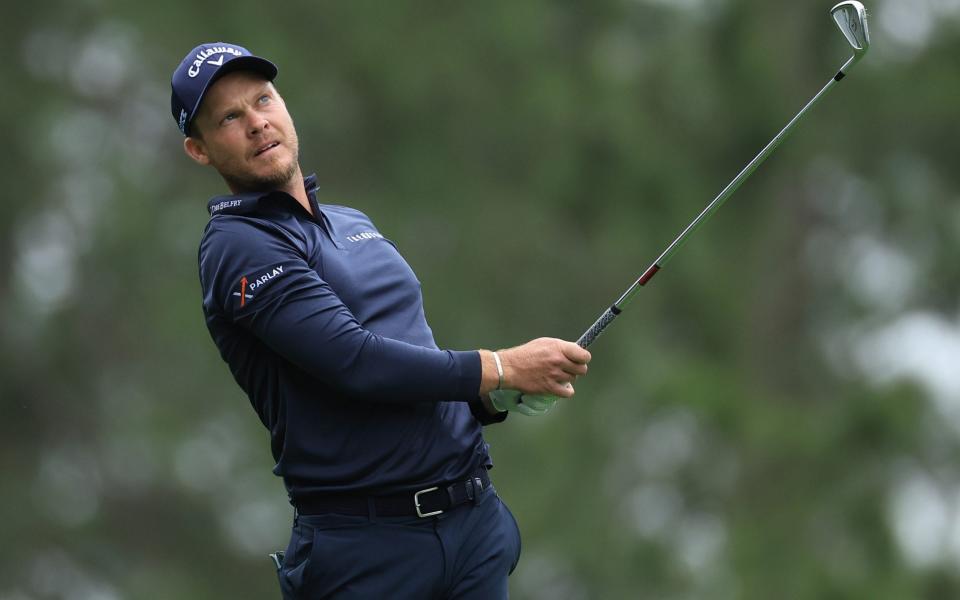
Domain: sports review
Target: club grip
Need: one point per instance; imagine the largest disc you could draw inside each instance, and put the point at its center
(597, 328)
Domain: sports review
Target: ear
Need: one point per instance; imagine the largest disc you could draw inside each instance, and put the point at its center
(197, 150)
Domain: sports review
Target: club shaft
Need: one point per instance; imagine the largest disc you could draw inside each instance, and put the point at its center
(611, 313)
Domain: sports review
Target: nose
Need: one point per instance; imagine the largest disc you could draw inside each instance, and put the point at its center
(258, 124)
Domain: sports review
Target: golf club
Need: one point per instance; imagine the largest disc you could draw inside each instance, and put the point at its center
(851, 18)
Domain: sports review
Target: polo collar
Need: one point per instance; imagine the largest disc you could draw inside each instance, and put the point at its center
(251, 202)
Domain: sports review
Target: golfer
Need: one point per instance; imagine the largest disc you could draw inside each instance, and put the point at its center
(375, 431)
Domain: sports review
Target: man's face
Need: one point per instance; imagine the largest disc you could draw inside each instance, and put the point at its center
(244, 131)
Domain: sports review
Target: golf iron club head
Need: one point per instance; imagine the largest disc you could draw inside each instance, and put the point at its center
(851, 18)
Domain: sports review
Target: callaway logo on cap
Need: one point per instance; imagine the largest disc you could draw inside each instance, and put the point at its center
(200, 68)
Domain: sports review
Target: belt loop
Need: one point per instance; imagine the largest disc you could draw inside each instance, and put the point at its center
(477, 485)
(371, 508)
(452, 495)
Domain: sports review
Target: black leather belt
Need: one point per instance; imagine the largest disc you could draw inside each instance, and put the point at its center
(428, 502)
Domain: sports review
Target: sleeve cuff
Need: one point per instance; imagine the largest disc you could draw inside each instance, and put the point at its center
(468, 365)
(480, 413)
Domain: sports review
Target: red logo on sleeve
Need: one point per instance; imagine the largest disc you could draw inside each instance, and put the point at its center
(243, 292)
(247, 287)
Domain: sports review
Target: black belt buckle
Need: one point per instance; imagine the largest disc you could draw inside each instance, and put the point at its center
(416, 503)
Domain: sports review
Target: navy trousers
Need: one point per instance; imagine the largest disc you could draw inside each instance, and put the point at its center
(464, 554)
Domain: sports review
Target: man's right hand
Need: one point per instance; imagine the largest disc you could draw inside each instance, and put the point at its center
(541, 367)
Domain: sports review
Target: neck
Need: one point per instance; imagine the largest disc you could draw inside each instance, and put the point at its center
(295, 188)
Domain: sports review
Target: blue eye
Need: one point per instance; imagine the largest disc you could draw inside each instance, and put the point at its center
(264, 99)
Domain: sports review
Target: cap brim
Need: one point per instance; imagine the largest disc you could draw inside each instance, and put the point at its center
(243, 63)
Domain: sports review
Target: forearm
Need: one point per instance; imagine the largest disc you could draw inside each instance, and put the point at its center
(544, 366)
(326, 342)
(489, 376)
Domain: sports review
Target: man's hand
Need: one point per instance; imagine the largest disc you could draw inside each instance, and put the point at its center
(542, 367)
(515, 401)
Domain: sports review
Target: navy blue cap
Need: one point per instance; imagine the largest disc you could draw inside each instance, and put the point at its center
(200, 68)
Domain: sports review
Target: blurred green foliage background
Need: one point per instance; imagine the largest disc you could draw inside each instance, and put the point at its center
(778, 416)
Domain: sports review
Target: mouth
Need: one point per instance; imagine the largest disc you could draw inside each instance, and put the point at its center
(266, 148)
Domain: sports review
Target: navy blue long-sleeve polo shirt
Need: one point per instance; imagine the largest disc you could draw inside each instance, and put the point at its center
(321, 322)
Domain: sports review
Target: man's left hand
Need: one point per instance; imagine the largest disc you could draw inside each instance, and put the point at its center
(525, 404)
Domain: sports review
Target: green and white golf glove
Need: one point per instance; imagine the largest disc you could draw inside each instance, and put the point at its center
(525, 404)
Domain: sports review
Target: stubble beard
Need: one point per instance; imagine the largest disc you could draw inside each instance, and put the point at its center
(276, 180)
